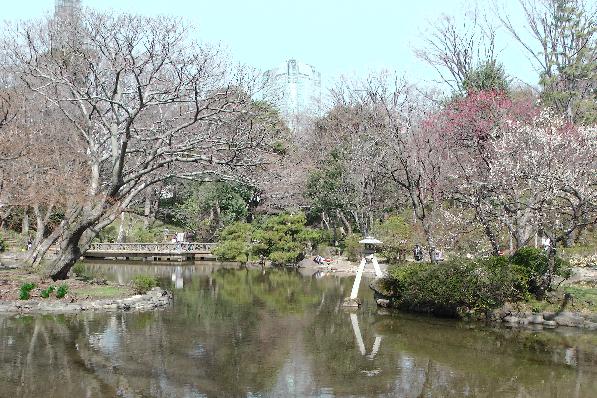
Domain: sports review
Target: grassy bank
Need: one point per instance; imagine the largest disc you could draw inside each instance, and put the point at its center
(15, 282)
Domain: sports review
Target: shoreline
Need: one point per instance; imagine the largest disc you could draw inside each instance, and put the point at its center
(154, 299)
(510, 315)
(80, 293)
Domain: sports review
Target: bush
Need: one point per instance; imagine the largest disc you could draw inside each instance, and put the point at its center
(46, 292)
(144, 283)
(235, 243)
(25, 291)
(283, 239)
(108, 234)
(140, 234)
(455, 288)
(61, 291)
(352, 247)
(79, 269)
(532, 264)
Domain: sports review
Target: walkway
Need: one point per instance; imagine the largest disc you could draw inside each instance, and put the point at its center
(152, 251)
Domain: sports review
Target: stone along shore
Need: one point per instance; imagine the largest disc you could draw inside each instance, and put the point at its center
(153, 299)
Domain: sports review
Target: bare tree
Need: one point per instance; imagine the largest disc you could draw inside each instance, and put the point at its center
(398, 151)
(561, 40)
(145, 103)
(455, 49)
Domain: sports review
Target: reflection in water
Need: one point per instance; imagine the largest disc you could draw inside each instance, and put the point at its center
(242, 332)
(177, 278)
(107, 341)
(354, 320)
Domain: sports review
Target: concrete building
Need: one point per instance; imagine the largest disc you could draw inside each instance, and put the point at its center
(67, 14)
(67, 9)
(295, 89)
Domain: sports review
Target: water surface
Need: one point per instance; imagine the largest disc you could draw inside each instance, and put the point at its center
(276, 333)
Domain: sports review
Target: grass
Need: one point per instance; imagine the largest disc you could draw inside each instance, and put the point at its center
(586, 296)
(584, 299)
(103, 292)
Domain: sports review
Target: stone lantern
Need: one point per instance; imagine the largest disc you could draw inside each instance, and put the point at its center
(370, 244)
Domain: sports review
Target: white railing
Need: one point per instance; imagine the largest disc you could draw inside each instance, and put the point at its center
(152, 247)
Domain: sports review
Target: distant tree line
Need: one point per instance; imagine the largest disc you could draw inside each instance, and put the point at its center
(134, 117)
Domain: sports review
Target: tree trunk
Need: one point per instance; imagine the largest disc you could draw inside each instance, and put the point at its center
(76, 239)
(25, 223)
(40, 250)
(121, 230)
(430, 243)
(345, 222)
(68, 255)
(495, 246)
(41, 222)
(152, 205)
(325, 221)
(147, 209)
(40, 226)
(489, 233)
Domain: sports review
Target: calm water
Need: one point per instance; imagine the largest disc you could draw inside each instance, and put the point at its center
(244, 333)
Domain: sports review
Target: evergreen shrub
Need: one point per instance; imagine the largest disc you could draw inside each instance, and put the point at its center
(456, 288)
(144, 283)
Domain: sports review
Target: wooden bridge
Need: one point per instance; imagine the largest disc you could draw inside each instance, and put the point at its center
(151, 251)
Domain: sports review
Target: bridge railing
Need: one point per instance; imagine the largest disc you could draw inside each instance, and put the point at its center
(153, 247)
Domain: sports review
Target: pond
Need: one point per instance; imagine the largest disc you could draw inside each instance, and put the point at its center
(278, 333)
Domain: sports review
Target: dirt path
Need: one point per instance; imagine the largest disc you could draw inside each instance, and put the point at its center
(339, 266)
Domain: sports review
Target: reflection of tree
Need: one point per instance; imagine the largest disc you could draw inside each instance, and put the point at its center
(334, 351)
(485, 362)
(229, 334)
(239, 340)
(38, 351)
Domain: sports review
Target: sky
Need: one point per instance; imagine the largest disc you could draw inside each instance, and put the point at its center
(338, 37)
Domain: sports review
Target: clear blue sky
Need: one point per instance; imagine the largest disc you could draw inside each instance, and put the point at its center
(338, 37)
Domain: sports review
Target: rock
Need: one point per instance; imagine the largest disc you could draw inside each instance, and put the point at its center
(536, 327)
(307, 263)
(590, 325)
(551, 324)
(536, 319)
(548, 316)
(348, 302)
(155, 298)
(511, 319)
(592, 317)
(378, 288)
(383, 302)
(498, 314)
(522, 315)
(566, 318)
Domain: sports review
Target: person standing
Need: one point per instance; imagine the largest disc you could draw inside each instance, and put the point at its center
(418, 253)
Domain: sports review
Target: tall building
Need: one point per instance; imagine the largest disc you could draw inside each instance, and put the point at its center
(67, 15)
(67, 10)
(295, 89)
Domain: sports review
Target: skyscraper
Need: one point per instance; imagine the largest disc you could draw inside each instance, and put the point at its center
(67, 10)
(295, 89)
(66, 19)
